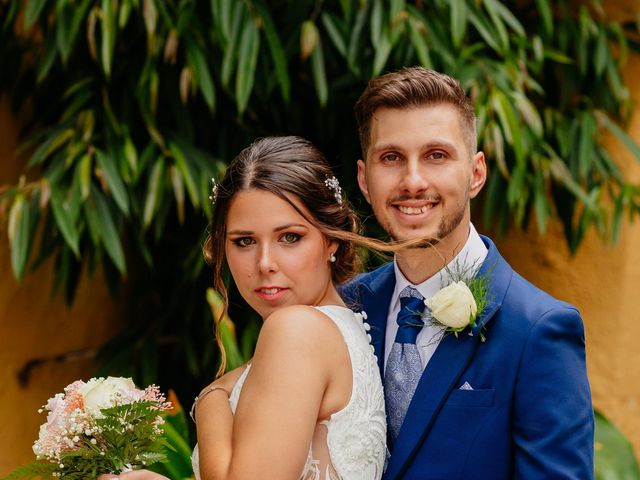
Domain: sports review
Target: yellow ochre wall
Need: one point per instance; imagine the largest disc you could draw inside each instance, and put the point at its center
(35, 325)
(601, 280)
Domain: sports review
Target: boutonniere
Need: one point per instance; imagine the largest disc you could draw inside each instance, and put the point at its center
(456, 306)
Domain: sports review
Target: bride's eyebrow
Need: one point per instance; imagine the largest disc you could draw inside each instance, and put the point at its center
(276, 229)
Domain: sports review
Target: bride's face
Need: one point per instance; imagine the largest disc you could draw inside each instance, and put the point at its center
(276, 257)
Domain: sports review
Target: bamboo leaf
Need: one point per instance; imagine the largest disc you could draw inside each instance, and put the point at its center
(601, 55)
(382, 53)
(228, 61)
(199, 66)
(108, 231)
(19, 235)
(319, 74)
(185, 170)
(277, 53)
(33, 11)
(248, 54)
(308, 39)
(458, 21)
(63, 216)
(621, 135)
(49, 146)
(353, 50)
(586, 146)
(108, 27)
(178, 192)
(154, 192)
(419, 42)
(227, 330)
(377, 21)
(503, 36)
(83, 170)
(114, 180)
(544, 9)
(335, 33)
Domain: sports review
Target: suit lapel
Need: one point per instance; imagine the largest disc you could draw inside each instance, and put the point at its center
(444, 370)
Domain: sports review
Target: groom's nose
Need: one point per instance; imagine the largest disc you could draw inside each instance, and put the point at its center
(414, 180)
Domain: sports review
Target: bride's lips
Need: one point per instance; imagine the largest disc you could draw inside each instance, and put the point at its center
(271, 292)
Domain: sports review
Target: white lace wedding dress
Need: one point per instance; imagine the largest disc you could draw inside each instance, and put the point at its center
(351, 444)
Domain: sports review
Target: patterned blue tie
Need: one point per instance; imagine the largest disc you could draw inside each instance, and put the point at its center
(404, 366)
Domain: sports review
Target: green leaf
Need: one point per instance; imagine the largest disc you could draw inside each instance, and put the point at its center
(198, 63)
(382, 53)
(377, 20)
(319, 74)
(614, 458)
(108, 231)
(114, 180)
(277, 53)
(154, 192)
(63, 215)
(228, 60)
(419, 43)
(353, 50)
(185, 170)
(178, 191)
(621, 135)
(586, 149)
(109, 28)
(248, 54)
(503, 36)
(544, 9)
(601, 53)
(458, 21)
(335, 33)
(33, 11)
(19, 234)
(53, 143)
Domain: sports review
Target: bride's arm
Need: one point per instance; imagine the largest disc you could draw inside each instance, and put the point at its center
(269, 437)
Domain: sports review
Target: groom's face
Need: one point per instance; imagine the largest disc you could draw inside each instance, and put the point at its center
(418, 174)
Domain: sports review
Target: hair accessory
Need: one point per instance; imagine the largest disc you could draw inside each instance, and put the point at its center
(214, 191)
(332, 258)
(333, 185)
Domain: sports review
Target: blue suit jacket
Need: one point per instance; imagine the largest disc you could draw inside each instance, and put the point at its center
(529, 415)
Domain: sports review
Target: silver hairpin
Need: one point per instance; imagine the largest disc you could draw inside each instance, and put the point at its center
(214, 191)
(333, 185)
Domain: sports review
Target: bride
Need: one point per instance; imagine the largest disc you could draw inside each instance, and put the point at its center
(309, 405)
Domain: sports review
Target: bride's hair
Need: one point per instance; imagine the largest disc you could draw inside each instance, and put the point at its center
(289, 167)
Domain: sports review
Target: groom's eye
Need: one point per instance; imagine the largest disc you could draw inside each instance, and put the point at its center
(390, 157)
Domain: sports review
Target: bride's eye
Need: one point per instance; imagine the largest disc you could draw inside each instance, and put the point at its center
(290, 237)
(243, 241)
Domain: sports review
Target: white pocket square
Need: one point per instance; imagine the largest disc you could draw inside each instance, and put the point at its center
(466, 386)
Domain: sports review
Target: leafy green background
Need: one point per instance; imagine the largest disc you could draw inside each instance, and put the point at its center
(131, 106)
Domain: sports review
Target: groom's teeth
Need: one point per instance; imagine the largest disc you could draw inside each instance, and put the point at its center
(412, 210)
(270, 291)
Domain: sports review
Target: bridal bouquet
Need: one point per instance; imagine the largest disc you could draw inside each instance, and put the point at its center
(99, 426)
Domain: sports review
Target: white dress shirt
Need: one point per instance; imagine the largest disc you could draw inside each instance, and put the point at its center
(468, 260)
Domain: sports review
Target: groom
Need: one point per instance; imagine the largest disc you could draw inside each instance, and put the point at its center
(508, 397)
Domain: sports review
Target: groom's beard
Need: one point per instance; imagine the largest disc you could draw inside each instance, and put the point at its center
(448, 223)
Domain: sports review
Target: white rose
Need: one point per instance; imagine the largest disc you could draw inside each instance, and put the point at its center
(453, 306)
(106, 393)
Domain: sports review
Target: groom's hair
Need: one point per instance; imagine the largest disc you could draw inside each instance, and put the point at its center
(410, 88)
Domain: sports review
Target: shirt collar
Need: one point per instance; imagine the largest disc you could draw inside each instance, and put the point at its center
(468, 260)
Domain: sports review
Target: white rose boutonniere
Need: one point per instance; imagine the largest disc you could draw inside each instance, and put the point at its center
(453, 306)
(456, 306)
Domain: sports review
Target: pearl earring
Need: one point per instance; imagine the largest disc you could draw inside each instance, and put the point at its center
(332, 258)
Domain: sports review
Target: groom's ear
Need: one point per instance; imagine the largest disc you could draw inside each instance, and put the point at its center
(362, 180)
